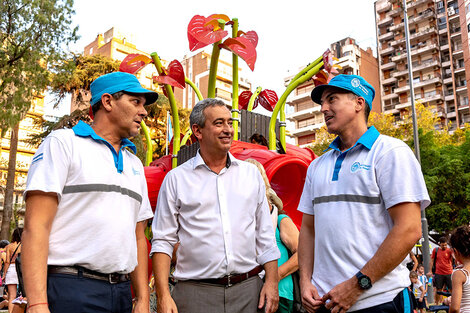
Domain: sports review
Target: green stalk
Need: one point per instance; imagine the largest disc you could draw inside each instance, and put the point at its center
(235, 118)
(214, 64)
(186, 137)
(196, 90)
(173, 110)
(149, 153)
(306, 69)
(251, 103)
(281, 102)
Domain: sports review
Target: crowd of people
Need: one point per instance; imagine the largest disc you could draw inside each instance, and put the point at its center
(219, 221)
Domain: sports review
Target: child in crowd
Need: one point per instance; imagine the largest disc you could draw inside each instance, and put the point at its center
(418, 291)
(424, 280)
(460, 242)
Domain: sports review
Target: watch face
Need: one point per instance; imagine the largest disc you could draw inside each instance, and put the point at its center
(364, 282)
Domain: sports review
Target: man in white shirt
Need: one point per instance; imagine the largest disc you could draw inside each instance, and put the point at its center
(87, 207)
(361, 203)
(216, 208)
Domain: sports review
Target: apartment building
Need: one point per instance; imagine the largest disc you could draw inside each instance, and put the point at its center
(196, 68)
(28, 126)
(116, 45)
(307, 117)
(439, 53)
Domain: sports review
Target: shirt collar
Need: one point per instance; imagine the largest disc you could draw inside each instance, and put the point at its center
(82, 129)
(198, 161)
(367, 140)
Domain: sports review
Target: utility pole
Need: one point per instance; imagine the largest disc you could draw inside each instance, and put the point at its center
(424, 221)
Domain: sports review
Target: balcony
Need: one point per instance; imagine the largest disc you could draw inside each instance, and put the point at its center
(384, 22)
(400, 55)
(424, 82)
(461, 87)
(445, 63)
(395, 12)
(389, 81)
(424, 15)
(413, 4)
(386, 36)
(384, 6)
(387, 51)
(457, 51)
(396, 27)
(388, 65)
(447, 79)
(425, 65)
(397, 42)
(444, 47)
(451, 114)
(389, 96)
(449, 97)
(303, 113)
(422, 33)
(459, 69)
(307, 129)
(400, 73)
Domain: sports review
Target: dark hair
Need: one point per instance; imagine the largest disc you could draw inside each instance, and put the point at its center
(460, 240)
(442, 240)
(420, 265)
(259, 139)
(16, 236)
(116, 96)
(353, 96)
(4, 243)
(197, 114)
(413, 274)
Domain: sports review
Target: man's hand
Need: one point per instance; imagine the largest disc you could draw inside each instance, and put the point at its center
(311, 301)
(343, 296)
(141, 307)
(269, 296)
(166, 304)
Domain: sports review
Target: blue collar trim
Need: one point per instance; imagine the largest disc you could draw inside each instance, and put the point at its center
(82, 129)
(367, 140)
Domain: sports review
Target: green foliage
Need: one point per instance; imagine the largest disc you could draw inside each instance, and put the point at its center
(33, 34)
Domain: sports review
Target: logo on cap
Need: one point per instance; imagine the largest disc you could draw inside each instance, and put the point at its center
(355, 82)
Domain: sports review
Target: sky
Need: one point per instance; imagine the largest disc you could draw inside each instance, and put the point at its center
(291, 33)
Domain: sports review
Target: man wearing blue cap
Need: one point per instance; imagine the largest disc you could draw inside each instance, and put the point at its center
(361, 203)
(87, 207)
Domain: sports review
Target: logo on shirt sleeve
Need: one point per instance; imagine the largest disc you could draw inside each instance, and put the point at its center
(358, 166)
(37, 158)
(136, 172)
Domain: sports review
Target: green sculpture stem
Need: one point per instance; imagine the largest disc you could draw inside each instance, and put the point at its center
(251, 103)
(196, 90)
(280, 103)
(149, 153)
(187, 135)
(173, 110)
(214, 64)
(306, 69)
(235, 118)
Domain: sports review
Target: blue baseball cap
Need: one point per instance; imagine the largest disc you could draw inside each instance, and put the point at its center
(119, 81)
(353, 83)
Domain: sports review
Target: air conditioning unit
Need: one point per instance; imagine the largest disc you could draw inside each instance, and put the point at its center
(450, 11)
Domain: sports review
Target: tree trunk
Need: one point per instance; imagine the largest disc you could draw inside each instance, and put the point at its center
(10, 186)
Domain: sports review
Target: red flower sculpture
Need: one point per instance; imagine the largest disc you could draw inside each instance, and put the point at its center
(134, 62)
(267, 98)
(243, 46)
(204, 31)
(173, 76)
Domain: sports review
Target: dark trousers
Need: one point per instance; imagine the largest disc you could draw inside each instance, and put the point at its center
(402, 303)
(74, 294)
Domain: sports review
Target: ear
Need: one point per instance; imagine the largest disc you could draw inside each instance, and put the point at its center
(360, 104)
(106, 101)
(197, 131)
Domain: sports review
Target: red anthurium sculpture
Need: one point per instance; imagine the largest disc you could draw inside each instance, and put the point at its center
(244, 46)
(134, 62)
(205, 31)
(173, 76)
(251, 35)
(244, 99)
(267, 98)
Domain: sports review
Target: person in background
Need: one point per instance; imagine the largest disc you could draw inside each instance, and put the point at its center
(424, 280)
(287, 239)
(258, 139)
(418, 291)
(460, 243)
(9, 271)
(442, 257)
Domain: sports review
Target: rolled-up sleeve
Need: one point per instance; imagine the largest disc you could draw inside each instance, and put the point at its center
(165, 221)
(266, 247)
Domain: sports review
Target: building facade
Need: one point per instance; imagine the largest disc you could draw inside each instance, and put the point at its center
(196, 68)
(307, 117)
(439, 53)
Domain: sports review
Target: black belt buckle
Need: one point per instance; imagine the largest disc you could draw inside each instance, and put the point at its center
(229, 284)
(113, 278)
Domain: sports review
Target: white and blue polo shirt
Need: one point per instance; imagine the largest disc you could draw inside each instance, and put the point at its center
(102, 195)
(349, 193)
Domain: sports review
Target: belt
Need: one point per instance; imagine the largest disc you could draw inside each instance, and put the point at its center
(112, 278)
(231, 279)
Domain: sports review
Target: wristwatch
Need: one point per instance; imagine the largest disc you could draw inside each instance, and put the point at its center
(363, 281)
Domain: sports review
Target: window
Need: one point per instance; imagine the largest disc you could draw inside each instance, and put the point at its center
(346, 53)
(416, 80)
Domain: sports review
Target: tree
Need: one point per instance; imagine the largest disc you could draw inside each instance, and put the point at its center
(33, 34)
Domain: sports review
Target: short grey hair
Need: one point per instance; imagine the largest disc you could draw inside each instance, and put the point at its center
(197, 114)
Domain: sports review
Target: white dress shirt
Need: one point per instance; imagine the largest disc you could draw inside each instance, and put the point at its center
(221, 220)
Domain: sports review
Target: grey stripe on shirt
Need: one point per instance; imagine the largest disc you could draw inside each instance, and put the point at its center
(102, 188)
(347, 198)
